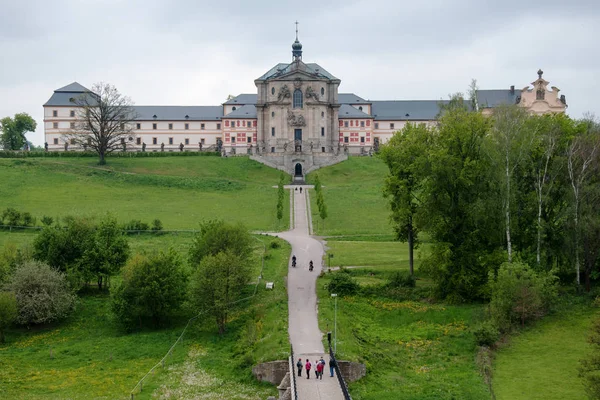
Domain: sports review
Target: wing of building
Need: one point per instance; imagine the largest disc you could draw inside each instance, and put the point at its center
(296, 120)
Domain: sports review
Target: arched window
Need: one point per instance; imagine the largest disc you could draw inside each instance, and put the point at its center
(360, 108)
(322, 91)
(297, 98)
(272, 90)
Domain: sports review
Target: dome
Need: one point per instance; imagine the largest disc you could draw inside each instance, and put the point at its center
(297, 45)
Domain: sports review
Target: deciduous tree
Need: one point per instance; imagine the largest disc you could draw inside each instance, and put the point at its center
(105, 120)
(14, 130)
(217, 236)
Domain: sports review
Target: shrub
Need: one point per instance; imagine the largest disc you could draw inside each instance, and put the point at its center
(136, 225)
(486, 333)
(402, 279)
(519, 294)
(153, 288)
(343, 285)
(589, 369)
(274, 244)
(157, 225)
(11, 217)
(219, 236)
(47, 221)
(8, 312)
(28, 219)
(42, 293)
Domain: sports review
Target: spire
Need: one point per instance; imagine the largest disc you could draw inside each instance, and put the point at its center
(297, 47)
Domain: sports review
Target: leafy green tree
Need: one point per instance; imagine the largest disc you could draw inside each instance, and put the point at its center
(589, 369)
(459, 209)
(217, 236)
(153, 288)
(322, 207)
(519, 294)
(105, 252)
(8, 312)
(42, 293)
(218, 283)
(406, 157)
(280, 197)
(14, 130)
(11, 217)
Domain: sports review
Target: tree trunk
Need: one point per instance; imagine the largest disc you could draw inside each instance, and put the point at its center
(508, 242)
(100, 283)
(539, 230)
(2, 339)
(102, 160)
(588, 284)
(578, 280)
(410, 250)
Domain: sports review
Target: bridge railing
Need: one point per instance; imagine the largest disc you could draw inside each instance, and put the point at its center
(293, 374)
(338, 373)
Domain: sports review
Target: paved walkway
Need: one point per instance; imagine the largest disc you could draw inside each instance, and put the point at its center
(302, 299)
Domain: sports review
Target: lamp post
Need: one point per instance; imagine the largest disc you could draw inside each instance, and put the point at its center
(334, 295)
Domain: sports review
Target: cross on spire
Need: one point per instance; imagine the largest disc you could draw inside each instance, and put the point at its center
(296, 30)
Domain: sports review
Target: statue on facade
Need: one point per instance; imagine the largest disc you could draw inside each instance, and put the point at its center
(143, 146)
(85, 145)
(124, 146)
(311, 146)
(284, 93)
(219, 144)
(66, 146)
(295, 120)
(162, 146)
(46, 146)
(376, 144)
(180, 146)
(250, 149)
(346, 149)
(310, 93)
(199, 146)
(285, 147)
(339, 147)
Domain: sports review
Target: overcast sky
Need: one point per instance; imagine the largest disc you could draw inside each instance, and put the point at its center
(184, 52)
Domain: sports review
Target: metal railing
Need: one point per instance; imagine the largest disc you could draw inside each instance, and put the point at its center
(341, 380)
(293, 374)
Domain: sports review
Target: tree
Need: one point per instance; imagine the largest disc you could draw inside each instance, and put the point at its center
(217, 236)
(406, 157)
(41, 292)
(280, 197)
(14, 130)
(106, 251)
(8, 312)
(582, 164)
(460, 209)
(218, 283)
(511, 137)
(153, 288)
(105, 120)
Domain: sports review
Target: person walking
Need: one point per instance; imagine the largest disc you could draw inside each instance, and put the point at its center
(331, 366)
(299, 365)
(307, 366)
(316, 369)
(320, 367)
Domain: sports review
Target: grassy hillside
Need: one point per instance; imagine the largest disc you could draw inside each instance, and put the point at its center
(353, 194)
(89, 357)
(180, 191)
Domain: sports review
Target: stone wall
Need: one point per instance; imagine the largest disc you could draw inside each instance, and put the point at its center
(352, 371)
(272, 372)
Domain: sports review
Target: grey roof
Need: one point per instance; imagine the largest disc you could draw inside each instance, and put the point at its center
(246, 111)
(178, 113)
(350, 98)
(63, 96)
(311, 68)
(244, 98)
(493, 98)
(74, 87)
(347, 111)
(409, 110)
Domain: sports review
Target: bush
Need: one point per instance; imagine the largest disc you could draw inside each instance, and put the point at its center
(8, 312)
(402, 279)
(589, 369)
(28, 219)
(136, 225)
(47, 221)
(486, 334)
(42, 293)
(274, 244)
(153, 288)
(219, 236)
(519, 294)
(343, 285)
(157, 225)
(11, 217)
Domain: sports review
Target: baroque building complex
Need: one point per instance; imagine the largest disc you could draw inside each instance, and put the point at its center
(296, 121)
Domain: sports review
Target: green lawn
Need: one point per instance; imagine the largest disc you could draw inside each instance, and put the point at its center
(385, 255)
(352, 191)
(541, 362)
(180, 191)
(89, 357)
(412, 350)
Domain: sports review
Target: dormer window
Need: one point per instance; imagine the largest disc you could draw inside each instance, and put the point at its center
(233, 108)
(540, 94)
(322, 91)
(298, 98)
(154, 116)
(360, 108)
(272, 90)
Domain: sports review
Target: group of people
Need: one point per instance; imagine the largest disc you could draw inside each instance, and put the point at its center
(310, 264)
(318, 367)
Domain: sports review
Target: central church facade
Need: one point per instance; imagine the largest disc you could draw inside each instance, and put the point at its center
(297, 120)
